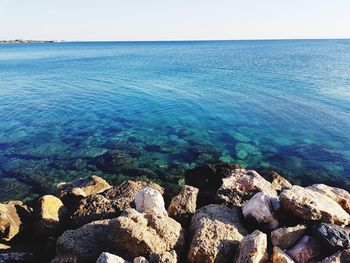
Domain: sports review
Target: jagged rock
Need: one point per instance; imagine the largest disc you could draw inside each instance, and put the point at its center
(259, 209)
(183, 206)
(140, 260)
(216, 233)
(253, 248)
(13, 257)
(311, 205)
(13, 214)
(242, 185)
(286, 237)
(341, 196)
(106, 257)
(153, 233)
(150, 201)
(277, 181)
(166, 257)
(340, 257)
(110, 203)
(84, 244)
(279, 256)
(4, 247)
(51, 215)
(332, 235)
(72, 192)
(306, 249)
(113, 161)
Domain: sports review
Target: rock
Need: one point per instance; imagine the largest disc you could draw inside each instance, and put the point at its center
(153, 233)
(51, 216)
(286, 237)
(4, 247)
(306, 249)
(150, 201)
(259, 209)
(183, 206)
(341, 196)
(84, 244)
(279, 256)
(340, 257)
(13, 216)
(277, 181)
(166, 257)
(140, 260)
(253, 248)
(332, 235)
(311, 205)
(72, 192)
(113, 161)
(242, 185)
(106, 257)
(13, 257)
(110, 203)
(216, 233)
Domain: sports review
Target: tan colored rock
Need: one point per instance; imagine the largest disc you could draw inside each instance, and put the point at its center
(216, 231)
(242, 185)
(4, 247)
(306, 249)
(279, 256)
(253, 248)
(286, 237)
(183, 206)
(51, 215)
(152, 233)
(339, 195)
(311, 205)
(278, 182)
(166, 257)
(340, 257)
(259, 209)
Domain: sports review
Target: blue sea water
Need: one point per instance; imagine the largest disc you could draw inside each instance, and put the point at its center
(159, 108)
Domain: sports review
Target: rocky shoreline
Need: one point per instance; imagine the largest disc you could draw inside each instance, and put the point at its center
(223, 213)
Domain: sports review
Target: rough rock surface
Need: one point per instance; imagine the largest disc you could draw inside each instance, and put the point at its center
(332, 235)
(216, 233)
(166, 257)
(311, 205)
(84, 244)
(253, 248)
(259, 209)
(13, 257)
(242, 185)
(279, 256)
(306, 249)
(183, 206)
(278, 182)
(106, 257)
(150, 201)
(286, 237)
(341, 196)
(140, 260)
(153, 233)
(51, 215)
(340, 257)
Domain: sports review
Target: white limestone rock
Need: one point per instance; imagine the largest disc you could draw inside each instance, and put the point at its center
(150, 201)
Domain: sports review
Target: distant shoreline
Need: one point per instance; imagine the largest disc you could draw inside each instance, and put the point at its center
(23, 41)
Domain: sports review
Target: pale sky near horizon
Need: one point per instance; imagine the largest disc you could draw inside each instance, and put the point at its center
(173, 20)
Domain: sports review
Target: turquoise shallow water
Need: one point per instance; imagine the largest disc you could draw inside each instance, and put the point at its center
(152, 110)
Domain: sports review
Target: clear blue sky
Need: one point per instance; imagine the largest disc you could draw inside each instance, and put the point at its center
(173, 19)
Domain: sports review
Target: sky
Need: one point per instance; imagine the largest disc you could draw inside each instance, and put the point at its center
(143, 20)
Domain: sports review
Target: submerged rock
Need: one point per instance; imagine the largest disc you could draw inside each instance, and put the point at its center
(311, 205)
(306, 249)
(106, 257)
(332, 235)
(216, 231)
(137, 234)
(279, 256)
(259, 209)
(113, 161)
(150, 201)
(242, 185)
(253, 248)
(286, 237)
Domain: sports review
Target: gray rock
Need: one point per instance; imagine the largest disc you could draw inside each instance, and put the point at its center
(286, 237)
(106, 257)
(332, 235)
(305, 250)
(340, 257)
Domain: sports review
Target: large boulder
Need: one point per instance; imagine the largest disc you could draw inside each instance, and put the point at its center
(183, 206)
(51, 216)
(106, 257)
(286, 237)
(259, 210)
(84, 244)
(242, 185)
(339, 257)
(332, 235)
(253, 248)
(311, 205)
(306, 249)
(216, 231)
(13, 216)
(138, 234)
(341, 196)
(279, 256)
(150, 201)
